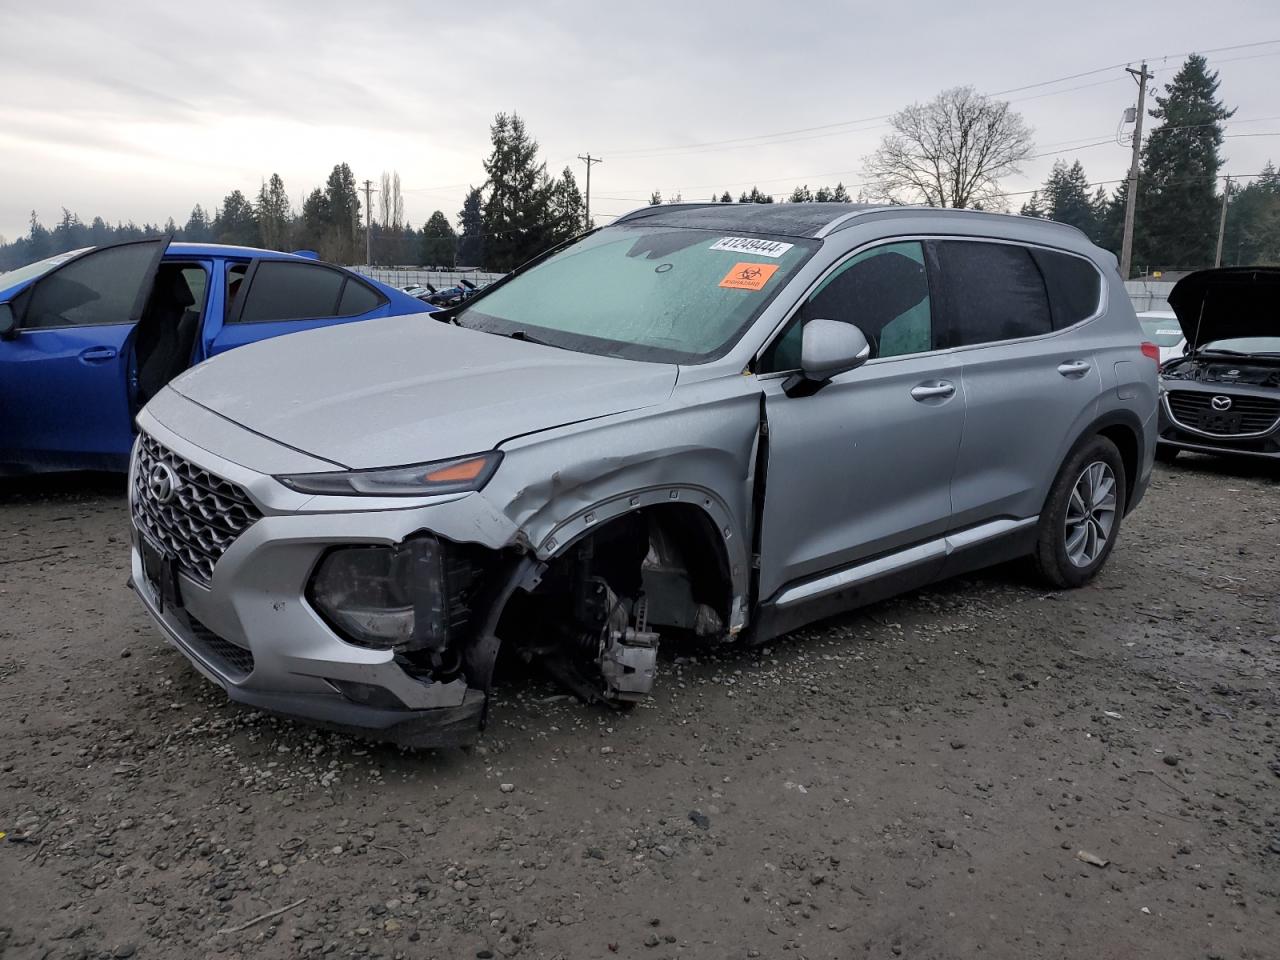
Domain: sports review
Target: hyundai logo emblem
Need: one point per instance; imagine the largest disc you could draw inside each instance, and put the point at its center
(1221, 403)
(162, 483)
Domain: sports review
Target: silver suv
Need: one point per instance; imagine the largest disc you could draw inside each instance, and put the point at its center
(721, 421)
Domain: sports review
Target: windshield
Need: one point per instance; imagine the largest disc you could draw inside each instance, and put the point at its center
(1245, 345)
(1162, 331)
(40, 267)
(643, 292)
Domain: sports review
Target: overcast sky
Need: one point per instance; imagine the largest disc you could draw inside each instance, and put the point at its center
(133, 110)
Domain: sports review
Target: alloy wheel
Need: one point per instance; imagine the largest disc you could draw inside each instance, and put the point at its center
(1091, 513)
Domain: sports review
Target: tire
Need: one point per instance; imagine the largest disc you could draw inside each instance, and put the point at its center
(1167, 455)
(1081, 518)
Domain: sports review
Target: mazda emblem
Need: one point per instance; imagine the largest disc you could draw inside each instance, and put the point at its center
(1221, 403)
(162, 483)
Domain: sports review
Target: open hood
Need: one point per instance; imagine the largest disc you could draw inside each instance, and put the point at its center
(1227, 302)
(402, 390)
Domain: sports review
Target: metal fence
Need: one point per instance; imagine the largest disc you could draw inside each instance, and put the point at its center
(440, 279)
(1148, 294)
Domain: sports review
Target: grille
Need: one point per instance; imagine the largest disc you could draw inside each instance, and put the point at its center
(234, 661)
(1245, 415)
(202, 517)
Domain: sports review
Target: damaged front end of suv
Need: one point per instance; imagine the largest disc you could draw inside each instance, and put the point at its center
(1223, 395)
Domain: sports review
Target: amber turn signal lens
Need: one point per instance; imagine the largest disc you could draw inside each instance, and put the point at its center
(455, 472)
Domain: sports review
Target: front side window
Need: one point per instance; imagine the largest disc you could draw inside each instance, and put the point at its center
(883, 290)
(103, 287)
(286, 290)
(990, 291)
(677, 295)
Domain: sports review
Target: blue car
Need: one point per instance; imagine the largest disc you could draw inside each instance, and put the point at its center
(88, 337)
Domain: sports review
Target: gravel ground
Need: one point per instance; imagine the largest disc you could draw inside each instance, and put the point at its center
(982, 768)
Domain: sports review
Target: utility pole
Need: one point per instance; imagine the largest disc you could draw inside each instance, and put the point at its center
(1222, 223)
(1126, 247)
(368, 224)
(589, 160)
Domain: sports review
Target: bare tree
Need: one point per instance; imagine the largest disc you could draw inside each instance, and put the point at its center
(390, 202)
(950, 152)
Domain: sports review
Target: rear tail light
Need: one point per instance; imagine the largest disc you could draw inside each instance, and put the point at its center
(1151, 351)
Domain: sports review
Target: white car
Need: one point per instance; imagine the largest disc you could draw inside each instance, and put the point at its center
(1161, 328)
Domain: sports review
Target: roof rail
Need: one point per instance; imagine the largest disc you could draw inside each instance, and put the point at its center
(920, 210)
(652, 208)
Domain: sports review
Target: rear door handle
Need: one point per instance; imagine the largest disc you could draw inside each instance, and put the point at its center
(98, 354)
(934, 390)
(1073, 368)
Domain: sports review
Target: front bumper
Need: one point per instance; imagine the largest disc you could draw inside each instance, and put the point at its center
(1173, 435)
(251, 630)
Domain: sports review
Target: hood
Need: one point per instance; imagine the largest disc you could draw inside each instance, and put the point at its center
(406, 390)
(1227, 302)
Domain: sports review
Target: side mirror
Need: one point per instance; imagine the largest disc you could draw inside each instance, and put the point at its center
(827, 348)
(8, 322)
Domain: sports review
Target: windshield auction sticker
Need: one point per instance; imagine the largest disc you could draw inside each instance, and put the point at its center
(761, 248)
(748, 276)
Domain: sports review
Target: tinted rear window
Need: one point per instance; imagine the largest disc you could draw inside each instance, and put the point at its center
(282, 290)
(990, 292)
(1074, 285)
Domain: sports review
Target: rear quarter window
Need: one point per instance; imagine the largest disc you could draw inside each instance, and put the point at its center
(1074, 285)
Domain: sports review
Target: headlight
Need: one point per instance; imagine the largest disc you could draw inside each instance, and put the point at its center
(385, 597)
(443, 476)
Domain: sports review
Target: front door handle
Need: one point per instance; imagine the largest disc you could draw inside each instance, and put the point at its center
(98, 354)
(934, 390)
(1073, 368)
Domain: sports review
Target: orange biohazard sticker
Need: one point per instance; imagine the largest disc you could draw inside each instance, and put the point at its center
(749, 276)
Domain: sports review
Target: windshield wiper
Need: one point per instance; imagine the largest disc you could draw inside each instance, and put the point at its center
(521, 335)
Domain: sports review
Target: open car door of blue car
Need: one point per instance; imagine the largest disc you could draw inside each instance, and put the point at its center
(65, 354)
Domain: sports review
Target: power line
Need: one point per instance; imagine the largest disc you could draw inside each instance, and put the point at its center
(656, 151)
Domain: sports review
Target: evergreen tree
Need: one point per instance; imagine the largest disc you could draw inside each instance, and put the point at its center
(1253, 222)
(1067, 198)
(802, 195)
(39, 242)
(517, 209)
(471, 242)
(1177, 202)
(755, 196)
(726, 197)
(342, 217)
(439, 242)
(198, 228)
(655, 198)
(274, 213)
(567, 208)
(1032, 208)
(313, 222)
(235, 223)
(69, 234)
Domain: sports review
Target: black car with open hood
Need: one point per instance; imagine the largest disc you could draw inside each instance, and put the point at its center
(1223, 395)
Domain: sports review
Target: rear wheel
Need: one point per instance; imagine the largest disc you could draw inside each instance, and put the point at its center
(1081, 520)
